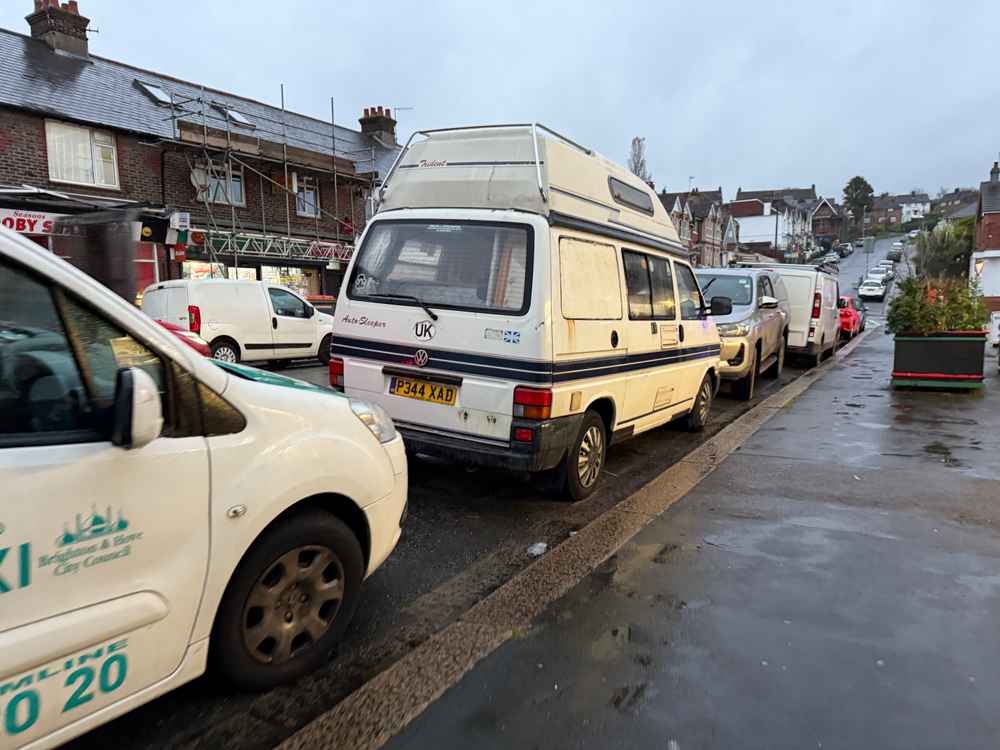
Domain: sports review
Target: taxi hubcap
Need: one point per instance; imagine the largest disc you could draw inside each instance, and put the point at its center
(293, 604)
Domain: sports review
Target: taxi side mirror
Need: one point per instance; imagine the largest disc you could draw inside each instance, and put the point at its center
(137, 412)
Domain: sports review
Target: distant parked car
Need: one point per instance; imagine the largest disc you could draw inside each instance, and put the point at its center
(872, 289)
(754, 335)
(851, 322)
(914, 233)
(844, 249)
(897, 245)
(830, 258)
(895, 254)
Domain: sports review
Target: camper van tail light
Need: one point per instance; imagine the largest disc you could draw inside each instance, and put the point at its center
(337, 373)
(532, 403)
(194, 319)
(817, 304)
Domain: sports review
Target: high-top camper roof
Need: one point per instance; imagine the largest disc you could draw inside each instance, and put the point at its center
(528, 168)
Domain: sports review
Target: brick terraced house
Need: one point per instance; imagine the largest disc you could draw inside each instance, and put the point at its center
(270, 194)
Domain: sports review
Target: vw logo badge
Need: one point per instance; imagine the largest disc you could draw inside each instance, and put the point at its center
(423, 330)
(420, 357)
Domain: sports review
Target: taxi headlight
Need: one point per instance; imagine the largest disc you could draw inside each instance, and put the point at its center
(375, 419)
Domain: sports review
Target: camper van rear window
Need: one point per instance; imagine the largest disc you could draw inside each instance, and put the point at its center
(630, 196)
(477, 266)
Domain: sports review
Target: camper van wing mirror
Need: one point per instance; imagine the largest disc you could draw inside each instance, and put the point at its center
(720, 306)
(310, 311)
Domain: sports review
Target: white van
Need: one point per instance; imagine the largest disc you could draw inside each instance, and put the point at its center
(243, 320)
(519, 301)
(814, 319)
(161, 510)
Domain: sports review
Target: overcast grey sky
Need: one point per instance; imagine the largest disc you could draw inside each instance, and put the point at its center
(732, 93)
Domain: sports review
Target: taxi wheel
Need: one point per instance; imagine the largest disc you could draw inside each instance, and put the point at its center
(289, 602)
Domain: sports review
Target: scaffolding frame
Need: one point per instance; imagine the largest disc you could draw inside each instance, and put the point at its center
(205, 114)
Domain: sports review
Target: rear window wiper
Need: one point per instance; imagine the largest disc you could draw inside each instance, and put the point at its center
(409, 297)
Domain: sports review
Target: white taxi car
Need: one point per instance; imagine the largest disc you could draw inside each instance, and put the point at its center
(162, 511)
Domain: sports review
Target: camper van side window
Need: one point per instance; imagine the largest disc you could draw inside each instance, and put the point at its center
(664, 301)
(629, 196)
(640, 303)
(687, 287)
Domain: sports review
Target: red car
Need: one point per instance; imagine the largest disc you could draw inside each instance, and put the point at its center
(852, 321)
(193, 340)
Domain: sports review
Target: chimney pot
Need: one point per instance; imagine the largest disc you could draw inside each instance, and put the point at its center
(995, 172)
(74, 7)
(39, 4)
(388, 113)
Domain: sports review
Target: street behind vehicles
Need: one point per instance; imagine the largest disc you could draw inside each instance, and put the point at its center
(813, 319)
(754, 335)
(243, 320)
(162, 510)
(872, 289)
(852, 320)
(527, 315)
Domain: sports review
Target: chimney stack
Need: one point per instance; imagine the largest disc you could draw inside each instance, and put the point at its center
(59, 26)
(995, 172)
(378, 123)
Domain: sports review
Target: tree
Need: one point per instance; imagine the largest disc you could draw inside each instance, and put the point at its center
(637, 159)
(858, 196)
(945, 251)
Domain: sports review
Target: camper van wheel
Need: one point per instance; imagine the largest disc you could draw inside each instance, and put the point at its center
(576, 476)
(324, 350)
(698, 417)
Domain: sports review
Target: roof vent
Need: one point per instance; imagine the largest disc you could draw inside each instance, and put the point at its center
(59, 26)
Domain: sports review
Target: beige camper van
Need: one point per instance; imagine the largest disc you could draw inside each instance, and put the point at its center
(521, 301)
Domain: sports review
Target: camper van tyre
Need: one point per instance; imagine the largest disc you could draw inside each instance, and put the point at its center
(698, 417)
(577, 474)
(324, 350)
(226, 350)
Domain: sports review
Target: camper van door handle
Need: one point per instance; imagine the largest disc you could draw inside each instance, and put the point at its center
(614, 339)
(274, 322)
(652, 326)
(680, 332)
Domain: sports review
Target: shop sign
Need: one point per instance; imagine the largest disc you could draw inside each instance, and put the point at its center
(28, 222)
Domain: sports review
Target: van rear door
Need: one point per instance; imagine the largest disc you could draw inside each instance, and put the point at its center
(454, 374)
(800, 288)
(167, 303)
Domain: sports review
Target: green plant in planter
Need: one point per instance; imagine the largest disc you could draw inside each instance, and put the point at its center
(926, 306)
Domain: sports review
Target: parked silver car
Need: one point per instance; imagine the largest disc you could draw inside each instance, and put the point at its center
(754, 336)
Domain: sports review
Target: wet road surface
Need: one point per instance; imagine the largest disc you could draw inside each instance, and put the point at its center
(834, 591)
(466, 533)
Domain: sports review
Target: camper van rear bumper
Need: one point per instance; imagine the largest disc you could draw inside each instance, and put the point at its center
(550, 440)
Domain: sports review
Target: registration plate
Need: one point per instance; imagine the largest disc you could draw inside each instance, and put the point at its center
(423, 391)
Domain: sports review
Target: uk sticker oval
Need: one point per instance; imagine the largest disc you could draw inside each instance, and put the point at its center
(424, 330)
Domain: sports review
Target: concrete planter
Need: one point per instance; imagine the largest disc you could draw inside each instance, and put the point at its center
(951, 359)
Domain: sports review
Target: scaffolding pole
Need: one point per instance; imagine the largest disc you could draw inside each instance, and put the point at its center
(336, 193)
(284, 160)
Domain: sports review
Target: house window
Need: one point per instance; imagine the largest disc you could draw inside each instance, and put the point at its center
(226, 186)
(307, 197)
(81, 156)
